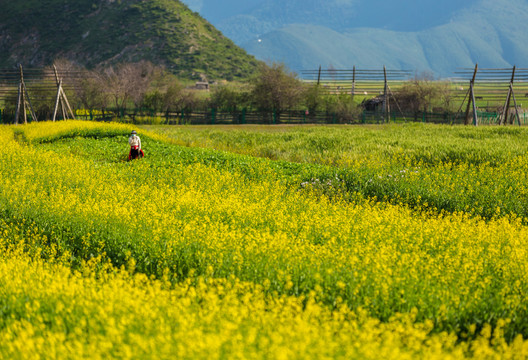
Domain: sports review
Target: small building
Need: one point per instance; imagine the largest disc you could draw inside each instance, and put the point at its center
(373, 104)
(201, 85)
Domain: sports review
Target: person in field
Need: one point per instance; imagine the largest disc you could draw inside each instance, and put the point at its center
(135, 146)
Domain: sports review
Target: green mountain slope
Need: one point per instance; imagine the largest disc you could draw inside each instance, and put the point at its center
(101, 32)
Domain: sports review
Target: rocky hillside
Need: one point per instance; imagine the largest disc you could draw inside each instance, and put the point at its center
(102, 32)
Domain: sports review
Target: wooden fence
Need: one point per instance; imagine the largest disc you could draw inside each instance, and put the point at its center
(486, 96)
(294, 117)
(476, 90)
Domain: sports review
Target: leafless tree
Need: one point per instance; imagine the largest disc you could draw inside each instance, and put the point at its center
(127, 82)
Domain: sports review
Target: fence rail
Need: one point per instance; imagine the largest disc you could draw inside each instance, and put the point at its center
(293, 117)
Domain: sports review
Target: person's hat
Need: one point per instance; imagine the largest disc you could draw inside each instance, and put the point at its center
(134, 132)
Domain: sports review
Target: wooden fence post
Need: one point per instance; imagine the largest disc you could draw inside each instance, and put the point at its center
(475, 118)
(471, 97)
(353, 82)
(61, 98)
(506, 110)
(386, 106)
(23, 100)
(515, 104)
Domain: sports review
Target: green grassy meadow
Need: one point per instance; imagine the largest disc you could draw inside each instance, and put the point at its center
(475, 170)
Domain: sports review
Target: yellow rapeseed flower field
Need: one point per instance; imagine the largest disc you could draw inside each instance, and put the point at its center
(199, 253)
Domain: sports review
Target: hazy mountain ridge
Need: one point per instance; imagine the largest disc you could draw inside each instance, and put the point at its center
(99, 32)
(422, 36)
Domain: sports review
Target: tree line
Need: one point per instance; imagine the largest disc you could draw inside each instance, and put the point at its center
(273, 90)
